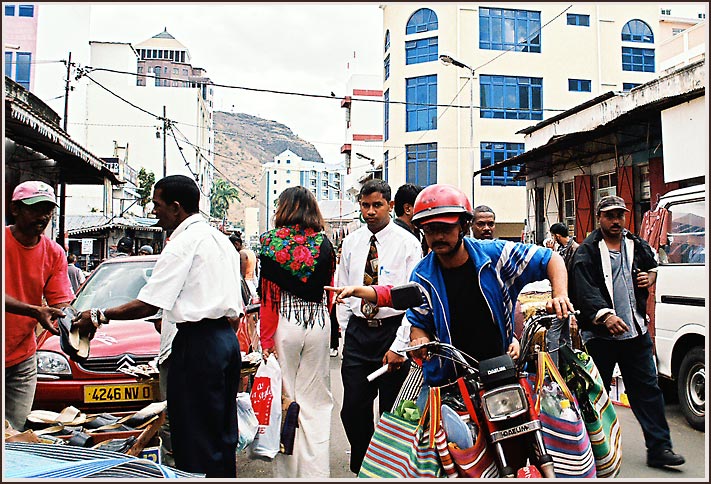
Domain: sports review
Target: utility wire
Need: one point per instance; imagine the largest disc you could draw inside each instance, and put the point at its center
(302, 94)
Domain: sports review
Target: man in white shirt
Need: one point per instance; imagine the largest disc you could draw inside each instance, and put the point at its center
(196, 284)
(370, 332)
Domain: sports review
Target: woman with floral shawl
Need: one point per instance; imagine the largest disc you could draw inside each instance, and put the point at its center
(297, 261)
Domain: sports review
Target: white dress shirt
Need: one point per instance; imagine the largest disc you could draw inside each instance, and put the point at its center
(398, 253)
(196, 276)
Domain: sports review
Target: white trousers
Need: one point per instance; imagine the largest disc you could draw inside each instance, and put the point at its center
(304, 360)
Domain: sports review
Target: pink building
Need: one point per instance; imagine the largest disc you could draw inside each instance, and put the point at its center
(19, 26)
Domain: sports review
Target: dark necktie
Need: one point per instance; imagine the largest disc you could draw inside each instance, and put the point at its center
(370, 277)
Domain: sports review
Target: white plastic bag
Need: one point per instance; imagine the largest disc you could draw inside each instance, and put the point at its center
(246, 421)
(266, 402)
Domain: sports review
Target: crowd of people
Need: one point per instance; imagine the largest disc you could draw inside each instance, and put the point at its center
(437, 239)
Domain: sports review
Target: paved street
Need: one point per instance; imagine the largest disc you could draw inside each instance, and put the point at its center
(691, 444)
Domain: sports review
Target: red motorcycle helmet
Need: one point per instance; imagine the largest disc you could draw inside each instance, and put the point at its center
(441, 203)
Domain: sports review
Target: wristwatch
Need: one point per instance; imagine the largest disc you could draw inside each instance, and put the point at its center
(97, 317)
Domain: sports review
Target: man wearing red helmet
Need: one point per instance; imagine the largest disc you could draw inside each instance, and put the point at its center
(473, 284)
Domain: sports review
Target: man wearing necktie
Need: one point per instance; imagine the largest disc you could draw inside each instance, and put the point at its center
(378, 253)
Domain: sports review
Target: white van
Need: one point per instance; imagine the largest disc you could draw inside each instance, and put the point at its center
(681, 315)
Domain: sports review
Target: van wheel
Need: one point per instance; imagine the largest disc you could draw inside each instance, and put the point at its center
(691, 386)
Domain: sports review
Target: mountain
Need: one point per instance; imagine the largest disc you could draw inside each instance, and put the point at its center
(243, 143)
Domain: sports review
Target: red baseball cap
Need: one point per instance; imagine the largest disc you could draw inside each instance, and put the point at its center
(33, 191)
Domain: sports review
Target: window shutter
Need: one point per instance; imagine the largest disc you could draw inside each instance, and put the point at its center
(584, 211)
(625, 189)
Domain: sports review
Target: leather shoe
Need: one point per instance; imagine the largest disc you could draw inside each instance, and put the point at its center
(70, 341)
(667, 457)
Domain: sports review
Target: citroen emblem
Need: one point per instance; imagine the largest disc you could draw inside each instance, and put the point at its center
(125, 361)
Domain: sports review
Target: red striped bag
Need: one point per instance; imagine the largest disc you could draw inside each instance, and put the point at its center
(567, 442)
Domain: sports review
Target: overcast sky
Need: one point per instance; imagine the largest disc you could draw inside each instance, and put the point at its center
(295, 48)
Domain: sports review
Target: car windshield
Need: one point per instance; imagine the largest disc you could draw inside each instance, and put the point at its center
(114, 284)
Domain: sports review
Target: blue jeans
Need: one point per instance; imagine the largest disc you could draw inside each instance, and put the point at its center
(636, 360)
(20, 385)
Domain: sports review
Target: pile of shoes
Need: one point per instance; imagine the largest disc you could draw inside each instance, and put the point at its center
(75, 428)
(142, 373)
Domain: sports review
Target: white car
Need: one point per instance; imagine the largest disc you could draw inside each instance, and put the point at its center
(681, 315)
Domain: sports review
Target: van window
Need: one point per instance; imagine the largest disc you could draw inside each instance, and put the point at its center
(686, 234)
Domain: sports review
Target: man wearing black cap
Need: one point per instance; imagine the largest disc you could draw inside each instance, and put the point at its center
(124, 247)
(609, 280)
(35, 269)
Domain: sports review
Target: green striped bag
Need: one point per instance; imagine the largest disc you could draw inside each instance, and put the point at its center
(400, 449)
(599, 415)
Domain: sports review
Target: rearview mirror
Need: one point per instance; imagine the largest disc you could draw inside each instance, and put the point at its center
(407, 296)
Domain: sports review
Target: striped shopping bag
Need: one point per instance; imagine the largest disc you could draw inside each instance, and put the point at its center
(400, 449)
(567, 442)
(597, 409)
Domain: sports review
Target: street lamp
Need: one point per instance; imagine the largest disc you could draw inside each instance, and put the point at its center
(449, 60)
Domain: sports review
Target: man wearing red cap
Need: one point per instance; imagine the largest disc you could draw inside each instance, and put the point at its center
(35, 267)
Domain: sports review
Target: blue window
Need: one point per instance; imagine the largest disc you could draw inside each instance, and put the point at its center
(386, 111)
(501, 29)
(637, 31)
(508, 97)
(422, 20)
(582, 85)
(421, 164)
(422, 50)
(639, 60)
(8, 64)
(26, 11)
(493, 152)
(386, 67)
(387, 40)
(386, 163)
(578, 19)
(9, 10)
(628, 86)
(421, 98)
(23, 68)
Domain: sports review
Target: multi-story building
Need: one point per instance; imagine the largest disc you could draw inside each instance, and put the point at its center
(19, 25)
(510, 64)
(289, 170)
(184, 143)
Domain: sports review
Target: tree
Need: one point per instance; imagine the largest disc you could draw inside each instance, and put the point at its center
(146, 180)
(222, 194)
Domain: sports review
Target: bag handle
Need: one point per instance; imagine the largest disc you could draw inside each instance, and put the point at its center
(467, 400)
(546, 363)
(433, 407)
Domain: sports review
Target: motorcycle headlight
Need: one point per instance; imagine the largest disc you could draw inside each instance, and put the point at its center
(51, 363)
(504, 402)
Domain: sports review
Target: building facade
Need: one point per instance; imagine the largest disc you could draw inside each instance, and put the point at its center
(19, 25)
(183, 144)
(289, 170)
(363, 147)
(511, 63)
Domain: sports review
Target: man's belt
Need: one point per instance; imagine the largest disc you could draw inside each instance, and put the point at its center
(378, 322)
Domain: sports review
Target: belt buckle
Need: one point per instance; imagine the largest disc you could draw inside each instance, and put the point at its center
(374, 323)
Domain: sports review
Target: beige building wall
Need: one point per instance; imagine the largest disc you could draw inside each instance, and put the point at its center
(567, 52)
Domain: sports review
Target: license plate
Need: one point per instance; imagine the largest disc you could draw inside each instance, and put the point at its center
(130, 392)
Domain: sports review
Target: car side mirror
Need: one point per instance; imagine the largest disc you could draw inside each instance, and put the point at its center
(407, 296)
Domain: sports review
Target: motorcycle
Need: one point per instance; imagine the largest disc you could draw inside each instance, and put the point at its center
(500, 392)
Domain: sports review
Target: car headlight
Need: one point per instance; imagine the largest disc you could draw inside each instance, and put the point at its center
(505, 402)
(51, 363)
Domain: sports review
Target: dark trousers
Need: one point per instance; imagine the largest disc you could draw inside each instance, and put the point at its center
(363, 352)
(639, 373)
(204, 373)
(334, 329)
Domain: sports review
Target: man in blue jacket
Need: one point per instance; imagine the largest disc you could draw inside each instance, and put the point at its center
(473, 284)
